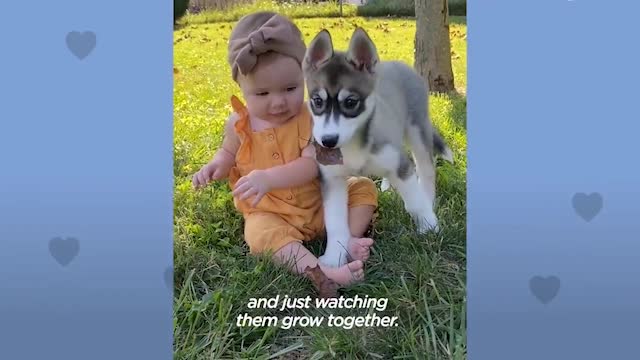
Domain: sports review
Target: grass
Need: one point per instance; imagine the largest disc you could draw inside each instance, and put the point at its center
(374, 8)
(423, 276)
(291, 10)
(405, 8)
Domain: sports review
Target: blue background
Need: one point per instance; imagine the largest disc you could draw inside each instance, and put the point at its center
(86, 152)
(552, 111)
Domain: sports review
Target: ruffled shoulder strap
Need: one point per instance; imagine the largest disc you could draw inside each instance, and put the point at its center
(240, 109)
(242, 127)
(305, 127)
(238, 106)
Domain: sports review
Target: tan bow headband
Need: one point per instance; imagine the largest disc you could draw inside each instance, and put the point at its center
(253, 36)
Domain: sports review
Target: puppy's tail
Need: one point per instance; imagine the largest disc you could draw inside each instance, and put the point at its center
(440, 147)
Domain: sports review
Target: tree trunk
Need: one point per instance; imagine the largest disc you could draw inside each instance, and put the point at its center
(433, 46)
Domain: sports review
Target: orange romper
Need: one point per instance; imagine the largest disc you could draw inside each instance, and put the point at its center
(284, 215)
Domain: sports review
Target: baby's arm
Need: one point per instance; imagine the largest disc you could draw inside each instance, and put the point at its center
(296, 173)
(224, 159)
(259, 182)
(230, 145)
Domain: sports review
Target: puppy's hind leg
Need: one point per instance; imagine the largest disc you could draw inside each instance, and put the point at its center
(421, 139)
(405, 180)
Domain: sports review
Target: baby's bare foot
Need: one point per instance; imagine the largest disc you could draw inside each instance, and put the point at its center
(359, 248)
(346, 274)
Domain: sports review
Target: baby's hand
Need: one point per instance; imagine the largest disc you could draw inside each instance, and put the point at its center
(255, 183)
(210, 172)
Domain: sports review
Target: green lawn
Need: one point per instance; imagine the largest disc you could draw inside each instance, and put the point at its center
(234, 10)
(423, 277)
(297, 10)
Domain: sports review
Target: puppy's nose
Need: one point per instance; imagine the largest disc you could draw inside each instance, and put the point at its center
(329, 140)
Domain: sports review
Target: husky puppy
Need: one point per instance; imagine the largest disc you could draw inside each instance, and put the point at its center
(365, 110)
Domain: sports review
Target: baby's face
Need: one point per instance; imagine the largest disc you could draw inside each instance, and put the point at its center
(274, 90)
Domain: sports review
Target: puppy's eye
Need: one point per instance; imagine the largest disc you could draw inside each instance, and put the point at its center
(317, 102)
(351, 103)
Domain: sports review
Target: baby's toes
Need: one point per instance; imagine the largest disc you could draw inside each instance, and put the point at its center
(362, 253)
(355, 266)
(359, 248)
(366, 242)
(365, 255)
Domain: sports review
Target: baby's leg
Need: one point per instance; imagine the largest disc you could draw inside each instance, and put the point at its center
(264, 231)
(359, 219)
(359, 247)
(363, 201)
(295, 256)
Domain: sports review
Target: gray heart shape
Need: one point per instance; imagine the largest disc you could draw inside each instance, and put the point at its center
(81, 44)
(545, 289)
(64, 250)
(587, 206)
(168, 277)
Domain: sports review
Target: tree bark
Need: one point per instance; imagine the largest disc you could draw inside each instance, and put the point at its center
(433, 46)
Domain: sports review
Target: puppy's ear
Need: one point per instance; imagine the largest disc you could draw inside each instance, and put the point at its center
(320, 50)
(362, 53)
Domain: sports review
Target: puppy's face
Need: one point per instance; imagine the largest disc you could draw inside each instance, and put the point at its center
(339, 87)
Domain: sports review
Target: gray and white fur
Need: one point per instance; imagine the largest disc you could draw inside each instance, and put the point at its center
(367, 109)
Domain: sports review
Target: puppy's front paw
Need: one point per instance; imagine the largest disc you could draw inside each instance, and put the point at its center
(385, 185)
(426, 222)
(333, 259)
